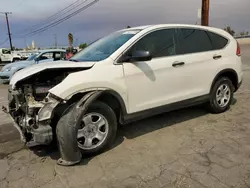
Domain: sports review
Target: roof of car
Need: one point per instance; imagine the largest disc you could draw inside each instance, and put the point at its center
(52, 50)
(168, 25)
(158, 26)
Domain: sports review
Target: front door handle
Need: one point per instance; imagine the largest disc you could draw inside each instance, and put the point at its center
(177, 64)
(217, 57)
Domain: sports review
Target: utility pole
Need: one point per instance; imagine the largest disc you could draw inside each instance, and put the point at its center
(205, 13)
(55, 40)
(8, 27)
(76, 43)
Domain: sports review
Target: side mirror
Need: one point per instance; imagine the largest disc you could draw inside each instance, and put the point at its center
(137, 56)
(36, 60)
(141, 56)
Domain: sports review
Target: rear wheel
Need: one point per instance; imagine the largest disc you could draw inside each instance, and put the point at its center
(221, 95)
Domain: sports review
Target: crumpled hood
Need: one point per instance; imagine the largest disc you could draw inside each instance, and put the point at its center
(29, 71)
(19, 63)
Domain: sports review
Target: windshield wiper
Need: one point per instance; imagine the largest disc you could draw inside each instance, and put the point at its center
(74, 60)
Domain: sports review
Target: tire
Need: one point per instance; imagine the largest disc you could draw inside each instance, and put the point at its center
(215, 104)
(103, 110)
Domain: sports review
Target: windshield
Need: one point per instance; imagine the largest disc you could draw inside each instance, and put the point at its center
(104, 47)
(32, 57)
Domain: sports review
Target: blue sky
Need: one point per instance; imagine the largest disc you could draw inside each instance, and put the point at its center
(109, 15)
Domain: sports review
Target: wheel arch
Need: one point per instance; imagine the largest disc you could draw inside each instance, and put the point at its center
(108, 96)
(115, 101)
(230, 73)
(17, 69)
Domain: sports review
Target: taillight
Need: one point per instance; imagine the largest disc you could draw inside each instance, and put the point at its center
(238, 53)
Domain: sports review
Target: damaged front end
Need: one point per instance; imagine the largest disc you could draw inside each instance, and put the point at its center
(32, 117)
(32, 107)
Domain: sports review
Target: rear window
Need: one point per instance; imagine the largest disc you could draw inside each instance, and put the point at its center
(193, 41)
(218, 41)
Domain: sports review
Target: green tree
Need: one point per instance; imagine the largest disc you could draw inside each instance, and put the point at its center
(244, 33)
(70, 39)
(229, 30)
(83, 45)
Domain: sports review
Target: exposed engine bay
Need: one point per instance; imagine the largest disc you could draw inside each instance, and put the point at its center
(31, 106)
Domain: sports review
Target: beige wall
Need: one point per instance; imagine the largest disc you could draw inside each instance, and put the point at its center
(244, 41)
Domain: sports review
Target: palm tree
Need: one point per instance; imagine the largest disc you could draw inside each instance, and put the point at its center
(70, 38)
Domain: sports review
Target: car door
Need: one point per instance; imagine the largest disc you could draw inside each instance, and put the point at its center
(45, 57)
(156, 82)
(6, 55)
(57, 56)
(196, 51)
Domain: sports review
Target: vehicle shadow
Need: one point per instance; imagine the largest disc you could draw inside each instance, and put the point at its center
(158, 122)
(136, 129)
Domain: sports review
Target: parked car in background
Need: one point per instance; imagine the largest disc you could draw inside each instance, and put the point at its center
(6, 56)
(126, 76)
(41, 57)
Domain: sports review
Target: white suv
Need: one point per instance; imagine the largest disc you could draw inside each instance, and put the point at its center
(129, 75)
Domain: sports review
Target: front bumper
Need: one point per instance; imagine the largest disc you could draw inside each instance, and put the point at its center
(22, 137)
(5, 76)
(39, 133)
(43, 135)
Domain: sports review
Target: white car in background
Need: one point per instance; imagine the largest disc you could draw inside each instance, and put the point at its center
(126, 76)
(7, 56)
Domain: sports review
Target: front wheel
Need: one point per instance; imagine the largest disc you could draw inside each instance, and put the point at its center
(15, 60)
(97, 129)
(221, 95)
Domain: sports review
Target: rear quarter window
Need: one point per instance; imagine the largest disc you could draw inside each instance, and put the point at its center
(218, 42)
(193, 41)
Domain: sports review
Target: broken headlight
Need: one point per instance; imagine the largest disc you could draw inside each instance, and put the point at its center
(46, 112)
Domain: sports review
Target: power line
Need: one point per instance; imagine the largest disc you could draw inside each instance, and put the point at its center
(55, 16)
(2, 43)
(60, 20)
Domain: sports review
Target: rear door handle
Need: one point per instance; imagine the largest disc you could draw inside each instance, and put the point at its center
(217, 56)
(177, 64)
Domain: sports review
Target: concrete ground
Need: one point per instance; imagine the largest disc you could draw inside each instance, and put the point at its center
(185, 148)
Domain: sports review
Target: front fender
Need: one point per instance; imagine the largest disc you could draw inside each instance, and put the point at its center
(67, 129)
(15, 69)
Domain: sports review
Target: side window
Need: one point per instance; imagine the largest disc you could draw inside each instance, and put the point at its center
(57, 56)
(218, 41)
(193, 41)
(63, 55)
(6, 51)
(48, 55)
(159, 43)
